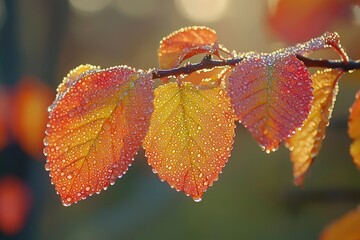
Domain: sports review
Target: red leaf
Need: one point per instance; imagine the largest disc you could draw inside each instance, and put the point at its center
(97, 123)
(29, 114)
(271, 96)
(271, 93)
(185, 43)
(15, 202)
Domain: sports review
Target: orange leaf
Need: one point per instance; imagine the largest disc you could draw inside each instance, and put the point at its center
(29, 114)
(354, 130)
(185, 43)
(345, 228)
(15, 202)
(271, 96)
(190, 136)
(305, 143)
(96, 126)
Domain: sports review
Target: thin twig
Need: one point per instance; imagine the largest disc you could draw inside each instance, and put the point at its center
(207, 63)
(325, 63)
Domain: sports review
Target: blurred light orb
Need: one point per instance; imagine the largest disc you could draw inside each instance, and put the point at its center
(137, 8)
(202, 11)
(89, 6)
(356, 12)
(3, 13)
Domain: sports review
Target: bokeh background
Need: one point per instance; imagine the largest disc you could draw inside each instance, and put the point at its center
(42, 40)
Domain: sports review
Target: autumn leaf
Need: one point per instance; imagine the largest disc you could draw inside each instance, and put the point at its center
(305, 144)
(354, 130)
(345, 228)
(15, 203)
(190, 136)
(29, 114)
(185, 43)
(96, 126)
(271, 97)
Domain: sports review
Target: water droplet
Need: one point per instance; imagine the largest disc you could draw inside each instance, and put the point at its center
(197, 199)
(48, 166)
(46, 141)
(45, 151)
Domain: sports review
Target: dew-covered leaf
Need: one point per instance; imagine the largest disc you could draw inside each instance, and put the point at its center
(96, 126)
(345, 228)
(190, 136)
(185, 43)
(306, 142)
(271, 96)
(354, 130)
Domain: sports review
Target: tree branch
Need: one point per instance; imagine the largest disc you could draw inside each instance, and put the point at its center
(324, 63)
(207, 63)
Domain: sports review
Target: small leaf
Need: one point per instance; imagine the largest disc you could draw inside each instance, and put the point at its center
(345, 228)
(305, 143)
(190, 136)
(29, 114)
(185, 43)
(271, 95)
(96, 126)
(354, 130)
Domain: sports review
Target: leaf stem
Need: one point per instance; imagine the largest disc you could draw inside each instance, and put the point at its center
(207, 63)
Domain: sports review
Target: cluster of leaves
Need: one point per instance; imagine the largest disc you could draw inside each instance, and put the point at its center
(101, 117)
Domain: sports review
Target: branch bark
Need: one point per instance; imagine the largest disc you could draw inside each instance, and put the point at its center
(207, 63)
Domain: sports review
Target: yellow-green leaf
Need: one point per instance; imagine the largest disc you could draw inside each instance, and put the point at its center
(190, 136)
